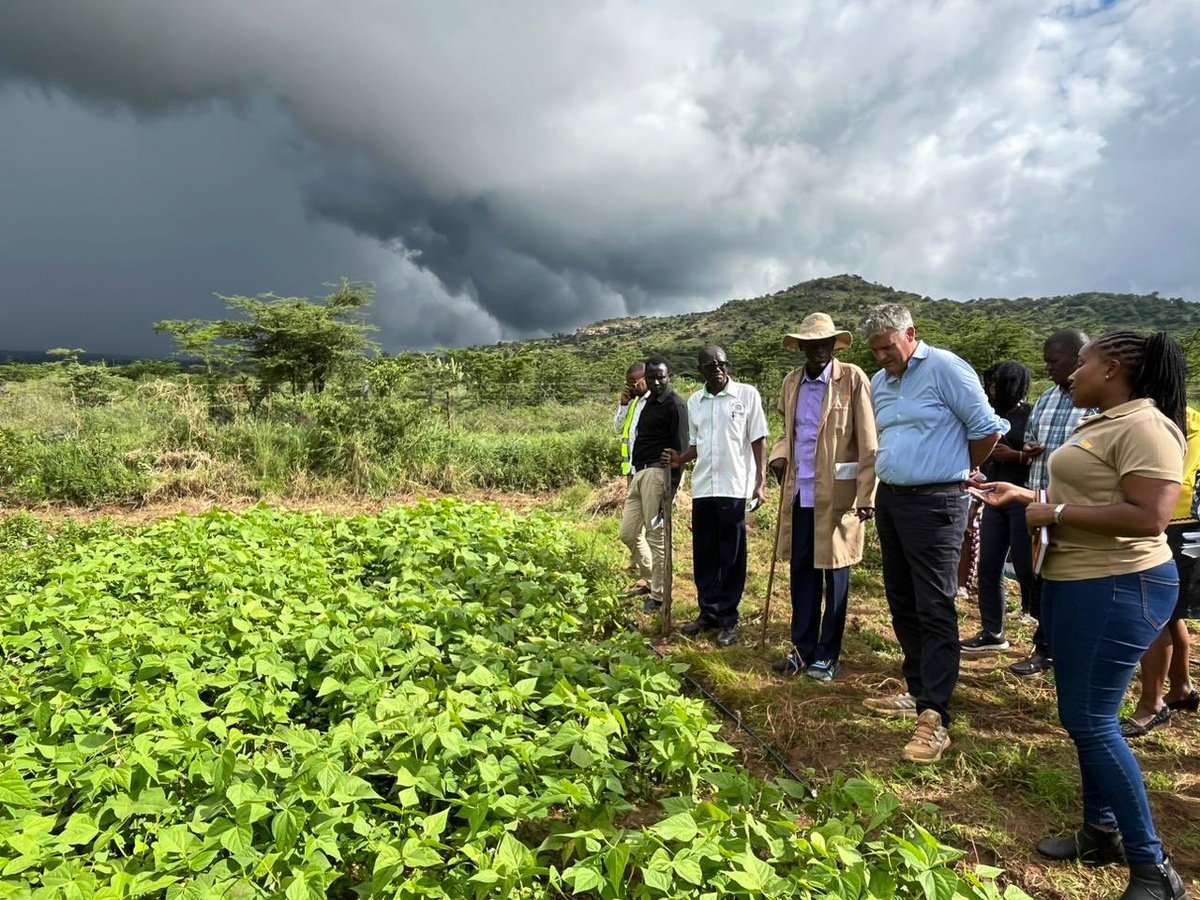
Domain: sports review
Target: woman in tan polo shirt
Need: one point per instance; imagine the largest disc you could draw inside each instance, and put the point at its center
(1110, 582)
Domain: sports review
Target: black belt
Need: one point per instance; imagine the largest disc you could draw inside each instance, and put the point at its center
(653, 465)
(942, 487)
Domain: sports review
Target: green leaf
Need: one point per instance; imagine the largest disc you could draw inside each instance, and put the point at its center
(680, 827)
(583, 877)
(81, 828)
(298, 889)
(433, 826)
(285, 828)
(14, 792)
(418, 856)
(615, 862)
(688, 869)
(350, 788)
(657, 878)
(328, 686)
(754, 874)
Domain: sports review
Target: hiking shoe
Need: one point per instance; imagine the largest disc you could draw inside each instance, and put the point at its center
(728, 636)
(691, 629)
(1035, 664)
(896, 705)
(824, 670)
(930, 739)
(651, 604)
(983, 642)
(1090, 845)
(637, 589)
(792, 664)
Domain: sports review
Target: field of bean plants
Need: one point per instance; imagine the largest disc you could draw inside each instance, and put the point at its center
(440, 701)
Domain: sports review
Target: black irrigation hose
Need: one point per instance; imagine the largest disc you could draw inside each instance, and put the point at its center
(766, 746)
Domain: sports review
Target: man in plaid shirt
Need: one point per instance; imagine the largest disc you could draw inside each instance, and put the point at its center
(1051, 422)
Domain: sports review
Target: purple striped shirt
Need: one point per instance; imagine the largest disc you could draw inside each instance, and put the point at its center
(809, 400)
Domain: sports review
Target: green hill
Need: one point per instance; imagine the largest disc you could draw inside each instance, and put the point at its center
(983, 331)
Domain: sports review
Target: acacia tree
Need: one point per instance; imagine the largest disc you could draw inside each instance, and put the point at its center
(285, 340)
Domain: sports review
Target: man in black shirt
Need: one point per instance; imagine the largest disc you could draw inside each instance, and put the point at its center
(663, 424)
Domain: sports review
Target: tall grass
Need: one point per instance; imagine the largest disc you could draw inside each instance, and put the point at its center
(161, 438)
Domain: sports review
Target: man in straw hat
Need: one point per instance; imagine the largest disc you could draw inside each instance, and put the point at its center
(825, 463)
(935, 427)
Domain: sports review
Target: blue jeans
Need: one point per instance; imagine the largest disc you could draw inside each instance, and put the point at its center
(1098, 629)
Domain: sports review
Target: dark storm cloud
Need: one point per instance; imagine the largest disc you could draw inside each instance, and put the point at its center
(502, 170)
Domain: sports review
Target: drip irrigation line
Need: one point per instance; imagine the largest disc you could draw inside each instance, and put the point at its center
(766, 746)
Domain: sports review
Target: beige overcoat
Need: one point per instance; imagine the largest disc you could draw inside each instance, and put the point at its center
(846, 435)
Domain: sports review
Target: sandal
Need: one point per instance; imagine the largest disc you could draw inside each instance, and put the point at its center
(1132, 729)
(1190, 703)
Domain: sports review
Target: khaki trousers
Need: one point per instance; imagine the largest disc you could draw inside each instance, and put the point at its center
(643, 503)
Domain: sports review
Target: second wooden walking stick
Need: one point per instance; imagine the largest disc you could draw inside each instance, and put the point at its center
(766, 615)
(668, 504)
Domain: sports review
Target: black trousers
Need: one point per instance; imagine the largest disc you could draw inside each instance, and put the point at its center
(1003, 532)
(815, 635)
(1040, 643)
(920, 536)
(719, 556)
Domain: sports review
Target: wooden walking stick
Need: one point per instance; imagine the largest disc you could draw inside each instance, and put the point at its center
(668, 503)
(766, 615)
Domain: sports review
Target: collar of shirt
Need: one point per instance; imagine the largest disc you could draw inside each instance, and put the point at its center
(724, 392)
(661, 398)
(823, 377)
(1124, 409)
(919, 354)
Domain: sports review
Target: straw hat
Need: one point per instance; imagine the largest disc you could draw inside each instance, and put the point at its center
(817, 327)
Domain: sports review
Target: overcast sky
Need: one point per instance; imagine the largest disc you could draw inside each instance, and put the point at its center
(508, 169)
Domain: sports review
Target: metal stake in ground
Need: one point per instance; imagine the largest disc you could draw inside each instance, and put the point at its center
(766, 615)
(668, 503)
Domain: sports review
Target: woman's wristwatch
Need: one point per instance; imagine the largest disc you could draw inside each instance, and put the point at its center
(1058, 511)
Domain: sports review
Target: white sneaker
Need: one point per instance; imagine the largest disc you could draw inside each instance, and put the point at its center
(896, 705)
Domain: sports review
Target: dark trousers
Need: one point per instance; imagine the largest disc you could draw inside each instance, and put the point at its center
(920, 536)
(719, 557)
(1040, 644)
(1099, 628)
(1003, 531)
(815, 636)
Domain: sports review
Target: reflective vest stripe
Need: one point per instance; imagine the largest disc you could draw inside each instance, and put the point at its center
(626, 465)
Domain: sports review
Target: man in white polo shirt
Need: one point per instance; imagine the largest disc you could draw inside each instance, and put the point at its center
(727, 433)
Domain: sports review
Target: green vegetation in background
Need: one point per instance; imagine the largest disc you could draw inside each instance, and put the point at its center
(437, 702)
(527, 416)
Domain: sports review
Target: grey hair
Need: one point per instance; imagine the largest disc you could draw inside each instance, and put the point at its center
(881, 319)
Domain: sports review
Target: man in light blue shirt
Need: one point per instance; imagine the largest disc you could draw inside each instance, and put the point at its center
(935, 427)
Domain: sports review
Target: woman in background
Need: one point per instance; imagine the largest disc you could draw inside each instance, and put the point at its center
(1170, 655)
(1110, 584)
(1003, 529)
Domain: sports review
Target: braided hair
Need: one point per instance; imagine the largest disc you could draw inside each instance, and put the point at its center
(1157, 369)
(1010, 385)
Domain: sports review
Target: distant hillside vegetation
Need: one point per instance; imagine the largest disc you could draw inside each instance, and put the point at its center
(983, 331)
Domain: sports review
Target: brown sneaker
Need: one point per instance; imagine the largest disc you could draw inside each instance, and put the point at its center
(930, 739)
(896, 705)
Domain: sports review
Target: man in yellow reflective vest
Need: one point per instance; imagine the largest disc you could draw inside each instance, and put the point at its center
(625, 422)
